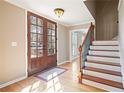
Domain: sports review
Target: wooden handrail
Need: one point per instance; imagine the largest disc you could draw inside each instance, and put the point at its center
(91, 28)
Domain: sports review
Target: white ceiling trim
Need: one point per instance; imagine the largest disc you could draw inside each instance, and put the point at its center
(85, 22)
(119, 4)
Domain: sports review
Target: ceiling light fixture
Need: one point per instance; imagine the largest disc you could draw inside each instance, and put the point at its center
(59, 12)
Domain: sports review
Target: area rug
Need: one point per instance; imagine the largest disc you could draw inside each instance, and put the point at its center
(51, 73)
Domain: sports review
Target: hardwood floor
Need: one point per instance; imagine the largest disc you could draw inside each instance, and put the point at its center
(66, 82)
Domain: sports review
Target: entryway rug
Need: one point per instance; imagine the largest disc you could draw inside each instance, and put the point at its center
(51, 73)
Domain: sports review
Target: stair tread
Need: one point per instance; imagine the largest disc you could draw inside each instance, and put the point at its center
(103, 56)
(104, 50)
(105, 45)
(103, 81)
(103, 71)
(105, 63)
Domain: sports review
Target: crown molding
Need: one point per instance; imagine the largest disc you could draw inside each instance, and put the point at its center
(82, 23)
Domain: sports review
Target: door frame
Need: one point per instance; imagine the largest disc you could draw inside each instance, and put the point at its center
(28, 38)
(70, 40)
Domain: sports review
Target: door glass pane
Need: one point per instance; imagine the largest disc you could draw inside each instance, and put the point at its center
(33, 19)
(49, 38)
(33, 52)
(53, 45)
(40, 30)
(40, 47)
(40, 53)
(40, 22)
(49, 45)
(53, 32)
(33, 37)
(51, 51)
(33, 28)
(49, 32)
(40, 38)
(33, 44)
(40, 44)
(53, 39)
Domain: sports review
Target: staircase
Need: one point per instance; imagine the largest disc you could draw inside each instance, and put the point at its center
(102, 66)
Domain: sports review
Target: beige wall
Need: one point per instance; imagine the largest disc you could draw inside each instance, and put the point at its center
(1, 55)
(121, 35)
(63, 44)
(106, 17)
(12, 22)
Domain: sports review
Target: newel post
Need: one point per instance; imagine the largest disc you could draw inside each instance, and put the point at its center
(80, 73)
(80, 51)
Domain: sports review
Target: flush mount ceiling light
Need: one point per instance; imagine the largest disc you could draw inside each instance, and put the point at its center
(59, 12)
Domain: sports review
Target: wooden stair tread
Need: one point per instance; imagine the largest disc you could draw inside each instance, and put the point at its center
(103, 81)
(103, 71)
(103, 56)
(104, 45)
(105, 50)
(105, 63)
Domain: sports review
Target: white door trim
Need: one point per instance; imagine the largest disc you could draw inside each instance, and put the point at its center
(70, 32)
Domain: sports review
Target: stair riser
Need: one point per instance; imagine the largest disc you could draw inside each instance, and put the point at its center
(101, 86)
(101, 66)
(103, 75)
(105, 42)
(103, 59)
(115, 48)
(104, 53)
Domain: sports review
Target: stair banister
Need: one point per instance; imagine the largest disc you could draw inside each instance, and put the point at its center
(84, 47)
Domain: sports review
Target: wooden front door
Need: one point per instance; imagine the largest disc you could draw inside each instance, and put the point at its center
(42, 44)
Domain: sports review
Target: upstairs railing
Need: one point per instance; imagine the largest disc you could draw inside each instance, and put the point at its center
(84, 47)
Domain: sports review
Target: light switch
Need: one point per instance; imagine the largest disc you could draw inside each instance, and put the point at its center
(14, 44)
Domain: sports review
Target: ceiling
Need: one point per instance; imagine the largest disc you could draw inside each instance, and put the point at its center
(75, 10)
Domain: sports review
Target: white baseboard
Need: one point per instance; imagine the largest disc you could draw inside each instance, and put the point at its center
(122, 76)
(60, 63)
(74, 58)
(12, 82)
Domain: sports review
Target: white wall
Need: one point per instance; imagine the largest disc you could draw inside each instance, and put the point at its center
(63, 44)
(121, 35)
(12, 29)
